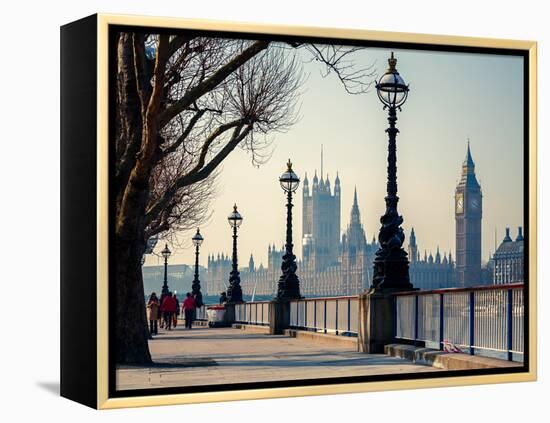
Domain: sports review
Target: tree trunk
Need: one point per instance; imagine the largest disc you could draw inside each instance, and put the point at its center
(131, 332)
(128, 125)
(129, 314)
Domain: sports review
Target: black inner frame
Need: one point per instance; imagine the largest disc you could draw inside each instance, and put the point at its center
(114, 393)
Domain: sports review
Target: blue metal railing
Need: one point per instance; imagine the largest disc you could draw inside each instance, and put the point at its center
(336, 315)
(256, 313)
(485, 320)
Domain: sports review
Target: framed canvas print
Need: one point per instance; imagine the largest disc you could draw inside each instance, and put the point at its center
(257, 211)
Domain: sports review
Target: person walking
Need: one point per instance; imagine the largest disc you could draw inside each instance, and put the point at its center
(223, 298)
(189, 309)
(161, 316)
(153, 312)
(168, 308)
(177, 313)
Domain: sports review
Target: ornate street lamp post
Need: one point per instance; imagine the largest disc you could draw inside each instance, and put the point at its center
(289, 285)
(234, 292)
(391, 265)
(165, 253)
(196, 286)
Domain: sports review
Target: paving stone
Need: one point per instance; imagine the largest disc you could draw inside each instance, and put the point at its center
(213, 356)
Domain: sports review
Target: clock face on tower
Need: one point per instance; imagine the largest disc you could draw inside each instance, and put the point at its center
(460, 203)
(474, 204)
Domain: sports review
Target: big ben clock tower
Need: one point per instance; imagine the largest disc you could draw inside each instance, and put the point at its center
(468, 213)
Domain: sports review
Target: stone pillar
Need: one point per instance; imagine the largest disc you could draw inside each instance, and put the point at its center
(376, 321)
(279, 316)
(229, 314)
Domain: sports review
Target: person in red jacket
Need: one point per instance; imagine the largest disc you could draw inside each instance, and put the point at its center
(161, 315)
(168, 308)
(189, 308)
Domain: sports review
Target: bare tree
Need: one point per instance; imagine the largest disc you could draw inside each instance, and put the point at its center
(183, 104)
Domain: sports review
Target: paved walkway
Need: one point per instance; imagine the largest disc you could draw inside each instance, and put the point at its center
(207, 356)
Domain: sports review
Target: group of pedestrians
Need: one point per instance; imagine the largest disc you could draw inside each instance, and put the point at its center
(164, 312)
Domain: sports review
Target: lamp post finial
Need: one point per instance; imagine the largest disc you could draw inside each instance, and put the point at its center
(392, 62)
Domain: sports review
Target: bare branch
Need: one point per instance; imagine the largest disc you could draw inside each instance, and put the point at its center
(210, 83)
(199, 175)
(185, 132)
(338, 60)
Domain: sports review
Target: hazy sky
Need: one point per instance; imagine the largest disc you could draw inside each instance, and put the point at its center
(453, 96)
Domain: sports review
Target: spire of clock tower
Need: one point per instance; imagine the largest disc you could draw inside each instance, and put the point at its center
(468, 177)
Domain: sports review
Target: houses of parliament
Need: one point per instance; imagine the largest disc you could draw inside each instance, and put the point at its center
(335, 263)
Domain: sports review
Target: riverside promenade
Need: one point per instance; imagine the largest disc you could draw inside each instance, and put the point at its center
(211, 356)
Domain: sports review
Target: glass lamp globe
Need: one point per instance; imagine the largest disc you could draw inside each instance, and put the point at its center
(166, 252)
(197, 239)
(289, 180)
(235, 219)
(391, 88)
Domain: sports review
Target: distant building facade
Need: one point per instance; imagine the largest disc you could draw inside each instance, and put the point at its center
(468, 214)
(508, 260)
(180, 278)
(356, 254)
(321, 222)
(430, 272)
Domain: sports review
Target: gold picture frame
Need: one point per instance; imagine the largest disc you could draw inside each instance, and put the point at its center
(102, 399)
